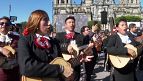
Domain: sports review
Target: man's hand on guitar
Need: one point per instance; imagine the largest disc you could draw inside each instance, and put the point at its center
(70, 49)
(7, 53)
(88, 58)
(132, 53)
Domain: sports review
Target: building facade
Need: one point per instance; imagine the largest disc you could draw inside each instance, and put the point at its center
(92, 9)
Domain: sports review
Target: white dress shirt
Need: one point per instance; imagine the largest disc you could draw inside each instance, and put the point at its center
(125, 38)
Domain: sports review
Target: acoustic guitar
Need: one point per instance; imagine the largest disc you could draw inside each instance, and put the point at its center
(75, 53)
(68, 66)
(58, 60)
(119, 61)
(139, 39)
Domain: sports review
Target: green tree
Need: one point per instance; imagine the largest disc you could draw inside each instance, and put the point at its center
(129, 18)
(90, 23)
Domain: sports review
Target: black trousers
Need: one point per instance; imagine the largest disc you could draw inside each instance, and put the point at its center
(89, 67)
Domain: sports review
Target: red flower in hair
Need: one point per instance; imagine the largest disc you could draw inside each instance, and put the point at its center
(42, 42)
(69, 36)
(25, 32)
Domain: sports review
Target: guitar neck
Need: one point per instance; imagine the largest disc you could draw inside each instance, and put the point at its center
(76, 61)
(83, 47)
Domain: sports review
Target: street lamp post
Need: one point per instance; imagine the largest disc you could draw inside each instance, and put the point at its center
(9, 9)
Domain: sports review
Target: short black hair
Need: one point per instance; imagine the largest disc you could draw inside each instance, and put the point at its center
(132, 25)
(70, 17)
(83, 29)
(117, 24)
(5, 17)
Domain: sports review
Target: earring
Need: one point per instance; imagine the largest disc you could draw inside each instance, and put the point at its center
(37, 28)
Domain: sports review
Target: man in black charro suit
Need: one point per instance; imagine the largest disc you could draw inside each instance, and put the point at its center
(89, 66)
(71, 37)
(115, 46)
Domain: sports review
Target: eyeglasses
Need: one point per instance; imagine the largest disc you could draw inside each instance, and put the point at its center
(6, 23)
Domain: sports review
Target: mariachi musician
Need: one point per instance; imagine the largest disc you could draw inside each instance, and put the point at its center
(9, 70)
(36, 51)
(95, 34)
(115, 46)
(89, 66)
(140, 39)
(68, 38)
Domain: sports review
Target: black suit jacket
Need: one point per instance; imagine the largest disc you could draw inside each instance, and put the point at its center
(60, 37)
(131, 35)
(116, 47)
(9, 63)
(33, 61)
(65, 42)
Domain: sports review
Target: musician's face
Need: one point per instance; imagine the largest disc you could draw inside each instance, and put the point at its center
(134, 29)
(94, 27)
(86, 31)
(44, 26)
(4, 26)
(122, 27)
(70, 25)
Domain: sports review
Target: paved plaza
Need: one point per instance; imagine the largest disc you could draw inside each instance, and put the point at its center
(100, 75)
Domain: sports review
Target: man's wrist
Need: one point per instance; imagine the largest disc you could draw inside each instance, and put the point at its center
(0, 49)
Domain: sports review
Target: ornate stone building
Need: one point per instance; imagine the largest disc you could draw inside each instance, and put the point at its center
(92, 9)
(128, 7)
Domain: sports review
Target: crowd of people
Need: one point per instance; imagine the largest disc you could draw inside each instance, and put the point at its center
(37, 53)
